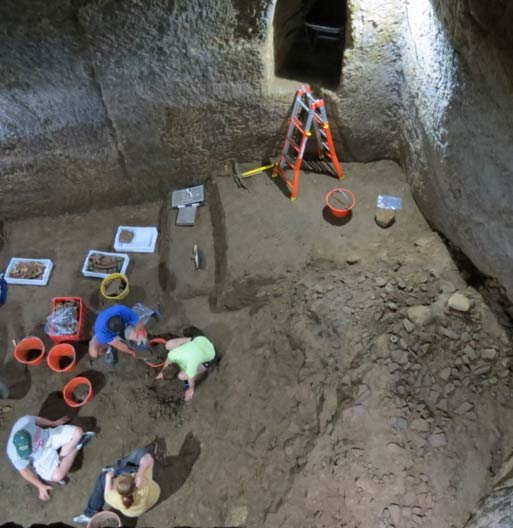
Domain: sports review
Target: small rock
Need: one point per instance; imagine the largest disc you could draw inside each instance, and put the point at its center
(420, 425)
(401, 284)
(384, 217)
(392, 306)
(480, 369)
(408, 325)
(489, 354)
(395, 513)
(393, 367)
(445, 373)
(437, 439)
(442, 404)
(353, 259)
(458, 301)
(447, 332)
(380, 282)
(399, 356)
(465, 407)
(420, 315)
(237, 516)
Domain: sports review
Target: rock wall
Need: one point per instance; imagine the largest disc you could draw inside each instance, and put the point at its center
(104, 100)
(457, 124)
(107, 101)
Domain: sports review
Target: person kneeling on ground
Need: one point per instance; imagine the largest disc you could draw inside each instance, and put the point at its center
(114, 324)
(128, 486)
(51, 447)
(193, 356)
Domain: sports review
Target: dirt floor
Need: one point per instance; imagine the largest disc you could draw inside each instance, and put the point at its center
(349, 393)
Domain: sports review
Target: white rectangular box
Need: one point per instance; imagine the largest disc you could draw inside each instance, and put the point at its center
(188, 196)
(126, 260)
(43, 281)
(144, 241)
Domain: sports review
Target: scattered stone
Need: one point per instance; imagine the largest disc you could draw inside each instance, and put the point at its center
(401, 284)
(401, 423)
(458, 302)
(419, 424)
(392, 306)
(437, 439)
(408, 326)
(445, 374)
(481, 369)
(237, 516)
(384, 217)
(442, 404)
(380, 282)
(395, 513)
(399, 356)
(489, 354)
(393, 367)
(353, 259)
(447, 332)
(465, 407)
(420, 315)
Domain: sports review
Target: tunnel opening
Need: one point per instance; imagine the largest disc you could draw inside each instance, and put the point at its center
(309, 40)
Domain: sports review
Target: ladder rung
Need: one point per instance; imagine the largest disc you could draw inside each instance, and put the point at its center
(298, 124)
(303, 105)
(326, 146)
(293, 144)
(291, 163)
(319, 119)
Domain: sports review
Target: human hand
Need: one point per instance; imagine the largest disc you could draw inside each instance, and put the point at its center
(44, 490)
(189, 393)
(141, 336)
(138, 481)
(61, 421)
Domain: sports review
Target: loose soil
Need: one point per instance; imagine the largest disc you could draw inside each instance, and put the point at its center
(348, 392)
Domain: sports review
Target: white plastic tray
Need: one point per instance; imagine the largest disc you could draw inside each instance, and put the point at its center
(43, 281)
(126, 259)
(144, 241)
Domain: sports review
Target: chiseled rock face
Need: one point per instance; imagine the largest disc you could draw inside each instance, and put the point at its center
(457, 124)
(494, 511)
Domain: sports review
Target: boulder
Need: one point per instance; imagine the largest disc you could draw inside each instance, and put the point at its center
(458, 302)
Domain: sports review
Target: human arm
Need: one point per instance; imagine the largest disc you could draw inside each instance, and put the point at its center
(145, 463)
(33, 479)
(122, 347)
(160, 375)
(43, 422)
(189, 393)
(109, 477)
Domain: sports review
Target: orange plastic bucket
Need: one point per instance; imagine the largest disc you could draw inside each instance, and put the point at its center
(156, 341)
(82, 384)
(30, 351)
(62, 358)
(340, 202)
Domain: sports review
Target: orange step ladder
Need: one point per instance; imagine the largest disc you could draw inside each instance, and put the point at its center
(307, 112)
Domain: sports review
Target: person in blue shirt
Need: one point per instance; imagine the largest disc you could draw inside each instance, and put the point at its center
(112, 326)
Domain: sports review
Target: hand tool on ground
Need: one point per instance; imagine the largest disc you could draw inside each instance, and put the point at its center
(258, 170)
(236, 177)
(195, 257)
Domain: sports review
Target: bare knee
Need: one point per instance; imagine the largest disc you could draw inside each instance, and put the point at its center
(58, 474)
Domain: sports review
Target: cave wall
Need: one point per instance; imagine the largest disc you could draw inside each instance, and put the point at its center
(103, 100)
(457, 124)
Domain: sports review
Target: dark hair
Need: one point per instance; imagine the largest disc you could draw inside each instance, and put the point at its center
(193, 332)
(116, 324)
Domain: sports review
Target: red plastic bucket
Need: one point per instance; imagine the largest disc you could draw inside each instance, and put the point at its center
(156, 341)
(62, 358)
(69, 391)
(340, 202)
(30, 351)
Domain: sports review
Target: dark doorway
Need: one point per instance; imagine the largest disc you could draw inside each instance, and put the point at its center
(309, 39)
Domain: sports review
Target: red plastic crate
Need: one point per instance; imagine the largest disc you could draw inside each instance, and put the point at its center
(79, 335)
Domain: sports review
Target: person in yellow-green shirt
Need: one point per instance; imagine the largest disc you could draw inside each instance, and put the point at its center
(193, 356)
(127, 485)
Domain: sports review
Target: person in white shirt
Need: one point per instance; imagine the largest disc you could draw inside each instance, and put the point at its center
(49, 446)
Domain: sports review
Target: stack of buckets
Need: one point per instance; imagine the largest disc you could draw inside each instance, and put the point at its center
(62, 357)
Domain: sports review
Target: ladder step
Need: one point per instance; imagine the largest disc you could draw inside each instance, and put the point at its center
(306, 107)
(298, 124)
(293, 144)
(290, 162)
(326, 146)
